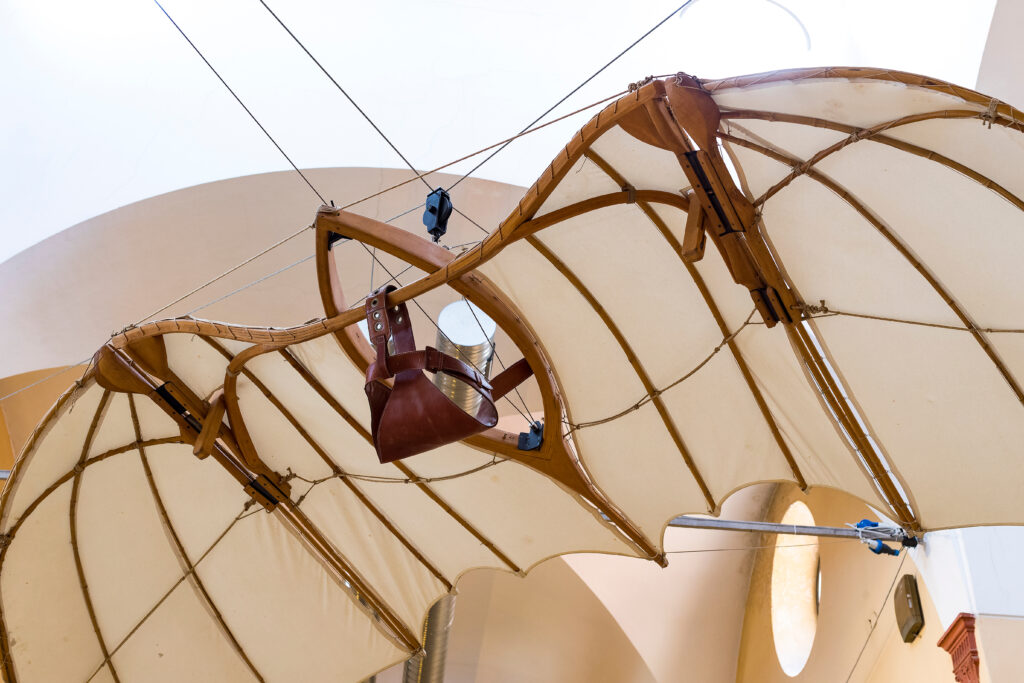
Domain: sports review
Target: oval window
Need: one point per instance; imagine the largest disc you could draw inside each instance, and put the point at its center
(796, 585)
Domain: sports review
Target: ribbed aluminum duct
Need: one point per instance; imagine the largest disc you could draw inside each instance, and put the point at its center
(429, 667)
(468, 334)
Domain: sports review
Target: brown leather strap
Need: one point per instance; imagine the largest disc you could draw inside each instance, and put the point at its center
(510, 378)
(383, 324)
(432, 360)
(409, 414)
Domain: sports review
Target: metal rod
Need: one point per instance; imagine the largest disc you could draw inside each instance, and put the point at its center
(880, 533)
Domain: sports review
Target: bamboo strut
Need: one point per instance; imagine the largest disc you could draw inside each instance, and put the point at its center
(329, 461)
(179, 548)
(634, 361)
(723, 327)
(400, 466)
(75, 486)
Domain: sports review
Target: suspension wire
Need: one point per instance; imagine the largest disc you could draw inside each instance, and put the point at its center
(223, 275)
(239, 100)
(373, 253)
(394, 278)
(419, 176)
(575, 90)
(369, 197)
(358, 108)
(43, 379)
(497, 356)
(878, 617)
(250, 284)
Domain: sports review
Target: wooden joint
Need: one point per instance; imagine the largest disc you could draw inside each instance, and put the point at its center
(211, 426)
(695, 236)
(265, 492)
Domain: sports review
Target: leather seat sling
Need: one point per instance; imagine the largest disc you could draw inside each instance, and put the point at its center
(413, 415)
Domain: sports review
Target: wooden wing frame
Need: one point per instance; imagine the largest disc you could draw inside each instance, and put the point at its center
(209, 416)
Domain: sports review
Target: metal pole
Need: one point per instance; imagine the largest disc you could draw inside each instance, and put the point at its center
(873, 533)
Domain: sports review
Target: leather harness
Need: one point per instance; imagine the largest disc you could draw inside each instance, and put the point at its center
(411, 415)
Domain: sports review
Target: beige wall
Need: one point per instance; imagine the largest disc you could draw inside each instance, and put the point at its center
(28, 398)
(546, 627)
(854, 584)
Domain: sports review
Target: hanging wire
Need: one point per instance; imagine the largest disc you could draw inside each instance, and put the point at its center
(658, 392)
(497, 356)
(360, 109)
(878, 616)
(373, 254)
(497, 147)
(367, 198)
(47, 377)
(239, 100)
(394, 278)
(575, 90)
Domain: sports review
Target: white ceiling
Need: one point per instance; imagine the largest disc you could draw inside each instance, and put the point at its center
(105, 104)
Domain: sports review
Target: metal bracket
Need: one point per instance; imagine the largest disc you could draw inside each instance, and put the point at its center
(531, 440)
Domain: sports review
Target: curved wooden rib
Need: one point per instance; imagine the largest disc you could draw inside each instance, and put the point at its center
(908, 147)
(314, 541)
(695, 275)
(352, 343)
(553, 460)
(81, 467)
(634, 361)
(75, 486)
(269, 339)
(333, 465)
(1003, 111)
(903, 250)
(404, 469)
(857, 135)
(179, 548)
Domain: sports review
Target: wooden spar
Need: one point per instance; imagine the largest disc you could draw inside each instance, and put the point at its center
(354, 345)
(75, 487)
(268, 339)
(329, 461)
(325, 552)
(723, 327)
(116, 372)
(832, 395)
(839, 407)
(179, 548)
(634, 361)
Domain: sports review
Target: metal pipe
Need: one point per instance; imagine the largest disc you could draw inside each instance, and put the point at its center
(879, 533)
(465, 332)
(429, 667)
